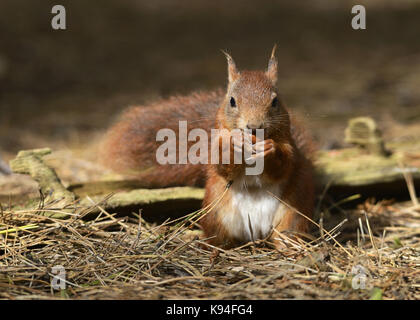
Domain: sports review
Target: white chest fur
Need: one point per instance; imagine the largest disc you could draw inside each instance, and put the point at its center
(255, 210)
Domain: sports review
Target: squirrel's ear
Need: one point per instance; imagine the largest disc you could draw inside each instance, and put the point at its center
(233, 73)
(271, 72)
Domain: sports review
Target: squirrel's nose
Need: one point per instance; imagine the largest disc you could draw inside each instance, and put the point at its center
(254, 126)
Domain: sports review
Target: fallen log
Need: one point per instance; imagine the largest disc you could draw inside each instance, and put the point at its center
(4, 168)
(371, 168)
(30, 162)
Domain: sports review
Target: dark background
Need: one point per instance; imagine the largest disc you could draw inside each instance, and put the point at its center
(63, 88)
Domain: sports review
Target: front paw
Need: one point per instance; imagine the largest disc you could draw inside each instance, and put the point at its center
(263, 149)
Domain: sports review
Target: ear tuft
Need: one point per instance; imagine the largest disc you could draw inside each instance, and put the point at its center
(271, 72)
(233, 73)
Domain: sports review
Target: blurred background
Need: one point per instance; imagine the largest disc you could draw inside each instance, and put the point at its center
(62, 89)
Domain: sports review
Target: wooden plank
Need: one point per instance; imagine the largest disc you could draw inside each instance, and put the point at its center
(364, 169)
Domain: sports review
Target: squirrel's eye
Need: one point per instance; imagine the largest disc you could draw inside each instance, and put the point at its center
(232, 102)
(275, 102)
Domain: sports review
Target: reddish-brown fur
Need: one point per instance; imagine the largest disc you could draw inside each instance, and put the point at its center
(131, 145)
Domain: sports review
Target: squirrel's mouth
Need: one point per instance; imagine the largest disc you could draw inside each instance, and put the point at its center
(254, 131)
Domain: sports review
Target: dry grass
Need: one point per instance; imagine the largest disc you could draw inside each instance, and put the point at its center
(110, 257)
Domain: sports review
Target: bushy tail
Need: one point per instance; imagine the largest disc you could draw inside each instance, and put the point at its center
(130, 145)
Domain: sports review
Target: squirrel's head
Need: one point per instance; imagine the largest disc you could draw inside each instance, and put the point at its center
(252, 99)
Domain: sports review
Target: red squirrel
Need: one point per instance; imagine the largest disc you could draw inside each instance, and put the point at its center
(249, 209)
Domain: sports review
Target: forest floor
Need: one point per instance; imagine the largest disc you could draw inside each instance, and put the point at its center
(113, 257)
